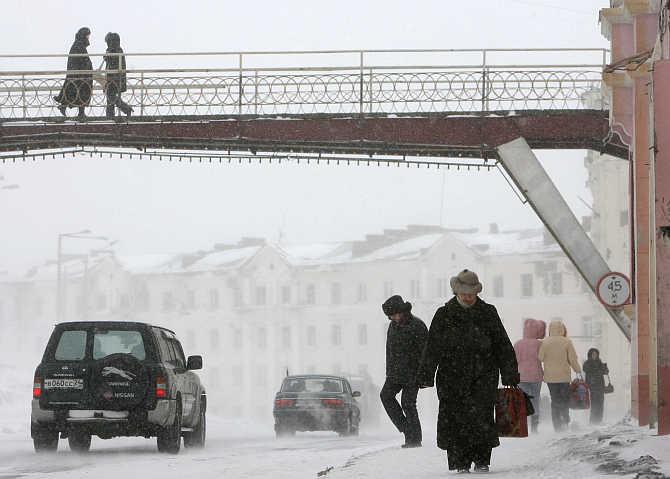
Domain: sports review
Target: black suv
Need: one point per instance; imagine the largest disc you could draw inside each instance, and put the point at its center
(113, 379)
(316, 403)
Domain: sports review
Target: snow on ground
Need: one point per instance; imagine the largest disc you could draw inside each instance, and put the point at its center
(246, 449)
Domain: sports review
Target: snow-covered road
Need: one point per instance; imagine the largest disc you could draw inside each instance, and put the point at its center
(238, 449)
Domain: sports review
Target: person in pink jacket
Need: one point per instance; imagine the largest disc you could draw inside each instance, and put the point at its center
(530, 367)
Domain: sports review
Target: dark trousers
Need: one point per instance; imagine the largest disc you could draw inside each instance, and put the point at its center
(404, 414)
(464, 457)
(114, 100)
(533, 390)
(597, 406)
(560, 400)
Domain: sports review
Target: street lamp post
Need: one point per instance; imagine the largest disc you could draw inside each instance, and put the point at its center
(84, 234)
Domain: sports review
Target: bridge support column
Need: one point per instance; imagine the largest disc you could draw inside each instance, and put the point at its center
(640, 394)
(661, 179)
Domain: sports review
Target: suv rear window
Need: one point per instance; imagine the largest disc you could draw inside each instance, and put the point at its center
(71, 346)
(106, 342)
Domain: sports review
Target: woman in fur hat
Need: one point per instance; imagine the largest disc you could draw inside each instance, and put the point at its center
(469, 348)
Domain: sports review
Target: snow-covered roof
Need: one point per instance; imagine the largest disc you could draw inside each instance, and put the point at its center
(508, 242)
(225, 259)
(150, 263)
(404, 250)
(317, 253)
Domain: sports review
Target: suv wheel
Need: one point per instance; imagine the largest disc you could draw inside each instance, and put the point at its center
(196, 438)
(45, 441)
(169, 438)
(284, 431)
(79, 441)
(347, 429)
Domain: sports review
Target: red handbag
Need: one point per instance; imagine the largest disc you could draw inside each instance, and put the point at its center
(511, 413)
(580, 395)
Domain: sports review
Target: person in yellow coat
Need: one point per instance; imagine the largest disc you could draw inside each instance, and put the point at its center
(558, 356)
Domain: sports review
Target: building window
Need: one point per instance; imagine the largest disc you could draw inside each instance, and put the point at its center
(238, 375)
(556, 283)
(238, 339)
(311, 336)
(190, 299)
(100, 304)
(388, 289)
(190, 339)
(286, 294)
(415, 288)
(310, 294)
(362, 334)
(498, 286)
(527, 285)
(336, 293)
(261, 296)
(214, 340)
(443, 290)
(213, 299)
(168, 301)
(286, 337)
(262, 338)
(336, 335)
(362, 295)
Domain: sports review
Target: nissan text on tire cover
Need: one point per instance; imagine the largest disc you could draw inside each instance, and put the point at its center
(111, 379)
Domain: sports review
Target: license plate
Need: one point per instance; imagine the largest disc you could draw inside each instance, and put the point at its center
(63, 384)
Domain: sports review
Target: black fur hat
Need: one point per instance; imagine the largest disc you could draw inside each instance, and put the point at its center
(395, 304)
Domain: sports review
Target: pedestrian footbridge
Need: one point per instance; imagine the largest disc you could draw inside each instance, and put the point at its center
(438, 103)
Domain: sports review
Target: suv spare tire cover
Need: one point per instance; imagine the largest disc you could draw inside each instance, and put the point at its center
(119, 382)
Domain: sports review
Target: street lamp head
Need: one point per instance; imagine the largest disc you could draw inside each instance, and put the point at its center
(10, 187)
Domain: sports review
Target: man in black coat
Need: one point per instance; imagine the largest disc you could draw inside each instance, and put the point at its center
(78, 87)
(468, 346)
(115, 61)
(405, 342)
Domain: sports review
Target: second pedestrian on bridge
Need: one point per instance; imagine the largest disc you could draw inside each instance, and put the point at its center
(115, 63)
(405, 342)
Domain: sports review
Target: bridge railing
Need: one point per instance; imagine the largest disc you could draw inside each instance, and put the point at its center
(319, 82)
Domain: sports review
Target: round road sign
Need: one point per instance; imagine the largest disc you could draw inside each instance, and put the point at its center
(613, 290)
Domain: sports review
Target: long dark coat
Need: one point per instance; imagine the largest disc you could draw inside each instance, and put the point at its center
(117, 80)
(594, 372)
(405, 343)
(78, 87)
(468, 347)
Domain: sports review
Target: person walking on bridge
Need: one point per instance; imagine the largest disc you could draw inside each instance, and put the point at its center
(78, 86)
(405, 342)
(469, 348)
(115, 63)
(558, 355)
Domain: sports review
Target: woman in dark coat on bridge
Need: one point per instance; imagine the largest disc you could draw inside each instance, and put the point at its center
(78, 87)
(116, 84)
(468, 346)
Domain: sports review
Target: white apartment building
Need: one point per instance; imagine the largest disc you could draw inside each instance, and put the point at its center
(256, 310)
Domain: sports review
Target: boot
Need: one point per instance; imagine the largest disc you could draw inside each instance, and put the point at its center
(481, 469)
(62, 109)
(82, 113)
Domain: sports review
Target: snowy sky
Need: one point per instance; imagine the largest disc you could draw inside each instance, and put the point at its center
(155, 207)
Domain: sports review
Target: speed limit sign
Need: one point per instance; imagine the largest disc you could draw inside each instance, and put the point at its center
(613, 290)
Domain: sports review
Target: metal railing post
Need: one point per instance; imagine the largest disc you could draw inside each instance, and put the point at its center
(240, 87)
(23, 96)
(370, 90)
(142, 90)
(256, 92)
(361, 85)
(484, 81)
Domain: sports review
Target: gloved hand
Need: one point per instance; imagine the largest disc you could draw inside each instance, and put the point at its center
(511, 380)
